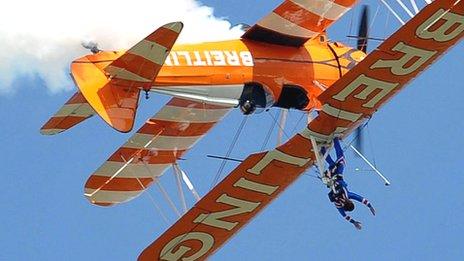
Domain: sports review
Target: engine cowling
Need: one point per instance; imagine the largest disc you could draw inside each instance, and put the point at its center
(255, 98)
(292, 97)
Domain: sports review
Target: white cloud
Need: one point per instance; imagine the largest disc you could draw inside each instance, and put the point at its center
(43, 37)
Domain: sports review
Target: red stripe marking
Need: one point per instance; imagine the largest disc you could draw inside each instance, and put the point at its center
(302, 17)
(192, 104)
(130, 84)
(77, 98)
(103, 204)
(124, 154)
(63, 122)
(175, 129)
(164, 37)
(117, 184)
(138, 65)
(346, 3)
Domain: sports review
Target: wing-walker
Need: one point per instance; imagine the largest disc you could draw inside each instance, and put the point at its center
(286, 61)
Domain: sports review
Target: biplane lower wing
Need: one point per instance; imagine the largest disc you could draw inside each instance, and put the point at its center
(158, 144)
(261, 177)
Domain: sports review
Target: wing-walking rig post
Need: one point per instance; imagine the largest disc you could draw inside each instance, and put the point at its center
(356, 96)
(385, 180)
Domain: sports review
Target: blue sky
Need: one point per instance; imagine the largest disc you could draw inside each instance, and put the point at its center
(416, 140)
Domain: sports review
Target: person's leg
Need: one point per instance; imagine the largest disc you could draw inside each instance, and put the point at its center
(361, 199)
(328, 159)
(331, 196)
(354, 196)
(338, 148)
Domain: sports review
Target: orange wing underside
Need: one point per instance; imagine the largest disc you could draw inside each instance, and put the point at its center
(361, 92)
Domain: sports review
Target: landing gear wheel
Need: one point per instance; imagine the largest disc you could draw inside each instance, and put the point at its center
(247, 107)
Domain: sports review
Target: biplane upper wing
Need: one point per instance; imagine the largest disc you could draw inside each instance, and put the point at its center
(385, 71)
(261, 177)
(295, 22)
(158, 144)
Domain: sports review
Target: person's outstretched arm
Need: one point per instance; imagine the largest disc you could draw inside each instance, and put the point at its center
(363, 200)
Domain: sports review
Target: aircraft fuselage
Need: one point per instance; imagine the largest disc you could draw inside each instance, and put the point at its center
(228, 72)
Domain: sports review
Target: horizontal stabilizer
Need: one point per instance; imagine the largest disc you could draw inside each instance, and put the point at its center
(73, 112)
(141, 63)
(114, 91)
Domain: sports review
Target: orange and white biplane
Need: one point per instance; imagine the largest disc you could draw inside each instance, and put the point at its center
(286, 61)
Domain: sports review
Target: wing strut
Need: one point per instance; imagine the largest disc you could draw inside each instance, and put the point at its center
(405, 8)
(282, 122)
(393, 12)
(152, 199)
(180, 191)
(414, 5)
(182, 176)
(187, 182)
(166, 196)
(317, 151)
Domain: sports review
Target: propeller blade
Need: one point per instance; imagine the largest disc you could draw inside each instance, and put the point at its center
(358, 144)
(363, 38)
(363, 32)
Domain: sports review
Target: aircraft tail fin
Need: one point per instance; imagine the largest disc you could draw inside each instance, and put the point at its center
(73, 112)
(113, 92)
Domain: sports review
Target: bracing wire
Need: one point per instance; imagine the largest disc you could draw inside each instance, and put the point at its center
(167, 197)
(375, 18)
(229, 151)
(405, 8)
(371, 145)
(393, 12)
(268, 135)
(351, 25)
(146, 191)
(280, 126)
(387, 22)
(152, 199)
(299, 121)
(357, 135)
(414, 6)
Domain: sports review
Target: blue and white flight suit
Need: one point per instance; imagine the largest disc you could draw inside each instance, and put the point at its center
(339, 193)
